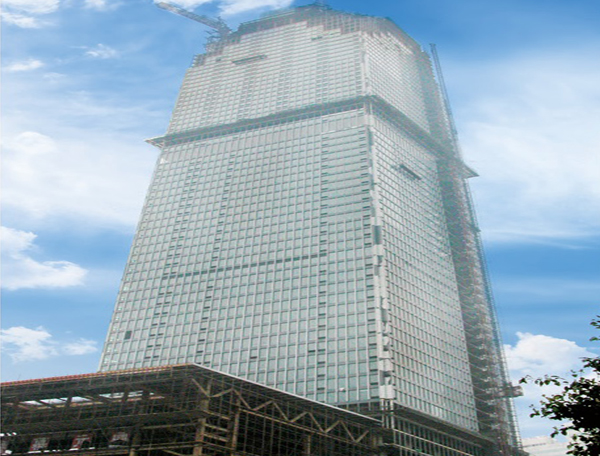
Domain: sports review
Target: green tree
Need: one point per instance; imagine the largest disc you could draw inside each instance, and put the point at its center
(578, 404)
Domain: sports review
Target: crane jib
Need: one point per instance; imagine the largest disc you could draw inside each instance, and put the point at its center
(216, 23)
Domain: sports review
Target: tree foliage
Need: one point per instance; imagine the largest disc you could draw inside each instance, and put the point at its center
(578, 404)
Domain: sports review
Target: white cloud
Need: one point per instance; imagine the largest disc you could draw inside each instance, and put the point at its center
(80, 347)
(25, 13)
(231, 7)
(82, 177)
(102, 51)
(53, 77)
(187, 4)
(25, 344)
(531, 133)
(32, 6)
(97, 4)
(22, 13)
(32, 143)
(538, 355)
(14, 241)
(20, 271)
(20, 20)
(26, 65)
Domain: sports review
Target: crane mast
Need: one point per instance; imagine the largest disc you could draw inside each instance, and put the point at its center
(215, 23)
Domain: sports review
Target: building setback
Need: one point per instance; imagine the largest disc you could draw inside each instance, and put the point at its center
(308, 227)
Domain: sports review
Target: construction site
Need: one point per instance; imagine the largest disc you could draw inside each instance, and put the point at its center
(190, 410)
(404, 340)
(175, 410)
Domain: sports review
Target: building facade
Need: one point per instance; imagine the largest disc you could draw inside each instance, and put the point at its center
(545, 446)
(308, 227)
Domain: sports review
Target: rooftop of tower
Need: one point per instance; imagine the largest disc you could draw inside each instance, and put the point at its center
(315, 14)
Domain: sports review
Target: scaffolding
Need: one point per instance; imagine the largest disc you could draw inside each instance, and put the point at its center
(491, 384)
(181, 410)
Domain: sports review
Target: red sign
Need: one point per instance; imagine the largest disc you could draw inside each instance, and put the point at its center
(82, 441)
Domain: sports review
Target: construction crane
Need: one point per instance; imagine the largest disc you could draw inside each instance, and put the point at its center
(215, 23)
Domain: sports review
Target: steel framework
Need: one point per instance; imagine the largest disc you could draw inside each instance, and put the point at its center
(181, 410)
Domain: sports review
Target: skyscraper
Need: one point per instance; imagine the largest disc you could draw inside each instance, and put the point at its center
(308, 227)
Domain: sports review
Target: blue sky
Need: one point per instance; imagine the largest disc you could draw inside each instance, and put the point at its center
(86, 81)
